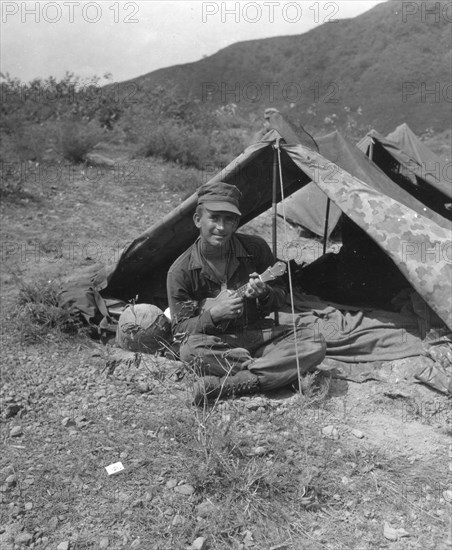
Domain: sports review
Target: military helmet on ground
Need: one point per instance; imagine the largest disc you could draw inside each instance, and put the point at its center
(143, 328)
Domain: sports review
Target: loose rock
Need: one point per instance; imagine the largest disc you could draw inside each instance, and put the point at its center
(248, 539)
(331, 432)
(143, 387)
(205, 509)
(184, 489)
(259, 451)
(255, 403)
(394, 534)
(199, 544)
(358, 433)
(171, 483)
(68, 422)
(11, 480)
(177, 520)
(16, 431)
(23, 538)
(53, 522)
(12, 410)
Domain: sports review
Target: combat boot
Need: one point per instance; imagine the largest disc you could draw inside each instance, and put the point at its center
(210, 388)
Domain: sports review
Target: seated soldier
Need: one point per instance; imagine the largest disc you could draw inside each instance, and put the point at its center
(229, 341)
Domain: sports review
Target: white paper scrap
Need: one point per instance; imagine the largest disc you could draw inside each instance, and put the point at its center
(113, 468)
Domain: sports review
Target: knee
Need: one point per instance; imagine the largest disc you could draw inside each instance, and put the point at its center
(313, 340)
(198, 356)
(187, 350)
(196, 346)
(312, 346)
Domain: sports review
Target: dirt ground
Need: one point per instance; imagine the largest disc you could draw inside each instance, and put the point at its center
(344, 465)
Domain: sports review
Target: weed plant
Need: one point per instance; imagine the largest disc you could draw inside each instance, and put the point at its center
(37, 314)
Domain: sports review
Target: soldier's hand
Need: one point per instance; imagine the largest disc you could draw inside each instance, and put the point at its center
(229, 307)
(256, 288)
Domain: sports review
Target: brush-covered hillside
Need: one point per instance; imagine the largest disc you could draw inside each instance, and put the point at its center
(390, 65)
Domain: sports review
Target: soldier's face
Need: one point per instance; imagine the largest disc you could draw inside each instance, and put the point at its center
(216, 227)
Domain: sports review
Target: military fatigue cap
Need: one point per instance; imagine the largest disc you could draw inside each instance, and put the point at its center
(220, 196)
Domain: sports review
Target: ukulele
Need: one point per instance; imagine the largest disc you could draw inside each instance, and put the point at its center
(270, 274)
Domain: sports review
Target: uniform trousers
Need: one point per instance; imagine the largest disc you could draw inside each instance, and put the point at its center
(269, 353)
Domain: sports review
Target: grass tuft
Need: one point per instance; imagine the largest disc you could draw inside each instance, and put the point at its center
(38, 315)
(11, 181)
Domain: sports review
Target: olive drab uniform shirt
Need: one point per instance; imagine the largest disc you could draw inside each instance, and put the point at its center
(190, 280)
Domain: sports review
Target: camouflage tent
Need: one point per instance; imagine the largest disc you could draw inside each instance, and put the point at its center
(414, 237)
(413, 166)
(401, 155)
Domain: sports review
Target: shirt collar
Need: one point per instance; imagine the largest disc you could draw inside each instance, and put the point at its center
(196, 259)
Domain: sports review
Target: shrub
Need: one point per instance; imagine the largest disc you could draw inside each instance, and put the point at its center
(24, 141)
(50, 99)
(30, 143)
(11, 180)
(179, 179)
(226, 145)
(193, 147)
(76, 140)
(38, 314)
(171, 141)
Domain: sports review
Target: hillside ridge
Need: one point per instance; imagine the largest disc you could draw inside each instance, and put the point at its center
(358, 71)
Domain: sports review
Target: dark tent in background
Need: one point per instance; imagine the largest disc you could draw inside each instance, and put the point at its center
(413, 166)
(402, 157)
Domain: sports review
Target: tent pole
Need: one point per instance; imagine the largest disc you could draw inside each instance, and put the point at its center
(325, 231)
(371, 149)
(274, 209)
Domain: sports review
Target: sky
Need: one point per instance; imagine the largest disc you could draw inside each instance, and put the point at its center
(129, 39)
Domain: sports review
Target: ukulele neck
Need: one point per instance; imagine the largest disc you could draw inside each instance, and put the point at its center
(240, 292)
